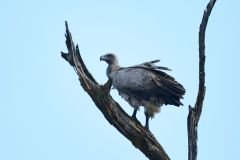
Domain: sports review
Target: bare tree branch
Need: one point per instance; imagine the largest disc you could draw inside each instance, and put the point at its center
(195, 112)
(140, 137)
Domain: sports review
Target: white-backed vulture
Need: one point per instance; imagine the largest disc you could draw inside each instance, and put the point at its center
(144, 85)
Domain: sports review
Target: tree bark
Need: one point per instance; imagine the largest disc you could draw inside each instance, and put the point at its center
(140, 137)
(195, 112)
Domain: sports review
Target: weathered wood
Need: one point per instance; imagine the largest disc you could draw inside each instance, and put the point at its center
(140, 137)
(195, 112)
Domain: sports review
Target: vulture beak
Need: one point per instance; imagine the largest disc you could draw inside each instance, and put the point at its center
(102, 58)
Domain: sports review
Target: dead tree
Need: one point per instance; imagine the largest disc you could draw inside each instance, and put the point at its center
(195, 112)
(140, 137)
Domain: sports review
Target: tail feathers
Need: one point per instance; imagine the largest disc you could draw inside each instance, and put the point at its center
(172, 101)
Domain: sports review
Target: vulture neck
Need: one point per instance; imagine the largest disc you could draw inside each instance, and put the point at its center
(112, 67)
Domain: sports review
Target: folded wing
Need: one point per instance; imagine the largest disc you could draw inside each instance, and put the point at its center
(146, 82)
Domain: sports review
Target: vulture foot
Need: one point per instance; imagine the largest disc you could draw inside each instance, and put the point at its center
(135, 113)
(147, 121)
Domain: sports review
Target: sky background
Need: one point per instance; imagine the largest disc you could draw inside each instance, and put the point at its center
(46, 115)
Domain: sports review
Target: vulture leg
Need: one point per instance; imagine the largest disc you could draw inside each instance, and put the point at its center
(147, 120)
(135, 113)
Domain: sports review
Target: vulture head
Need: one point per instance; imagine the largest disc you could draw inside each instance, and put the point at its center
(110, 58)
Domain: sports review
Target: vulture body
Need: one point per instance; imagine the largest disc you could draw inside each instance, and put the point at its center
(144, 85)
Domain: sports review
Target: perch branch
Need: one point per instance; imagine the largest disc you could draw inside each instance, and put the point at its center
(140, 137)
(195, 112)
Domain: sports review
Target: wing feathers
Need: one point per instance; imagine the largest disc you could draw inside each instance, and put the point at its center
(151, 65)
(169, 89)
(144, 83)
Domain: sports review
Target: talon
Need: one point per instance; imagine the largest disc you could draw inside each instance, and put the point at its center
(134, 117)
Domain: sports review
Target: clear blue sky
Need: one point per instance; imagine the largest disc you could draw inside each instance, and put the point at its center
(46, 115)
